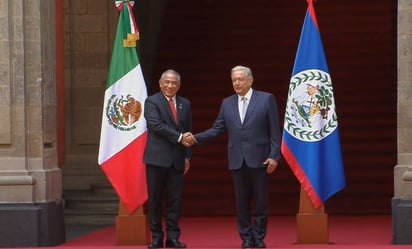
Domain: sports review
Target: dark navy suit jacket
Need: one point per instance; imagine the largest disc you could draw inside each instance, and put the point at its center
(162, 148)
(257, 139)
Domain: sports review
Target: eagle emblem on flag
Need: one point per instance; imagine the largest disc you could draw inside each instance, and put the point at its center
(122, 112)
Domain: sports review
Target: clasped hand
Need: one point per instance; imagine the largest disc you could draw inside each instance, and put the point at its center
(188, 139)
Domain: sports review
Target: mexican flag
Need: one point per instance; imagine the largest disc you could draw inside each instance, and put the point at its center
(123, 134)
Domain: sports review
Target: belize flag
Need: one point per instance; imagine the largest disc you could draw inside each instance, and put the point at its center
(310, 142)
(123, 134)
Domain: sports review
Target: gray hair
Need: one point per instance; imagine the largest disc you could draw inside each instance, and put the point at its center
(247, 70)
(170, 71)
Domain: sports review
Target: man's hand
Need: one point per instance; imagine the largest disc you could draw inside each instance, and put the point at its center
(272, 164)
(188, 139)
(187, 166)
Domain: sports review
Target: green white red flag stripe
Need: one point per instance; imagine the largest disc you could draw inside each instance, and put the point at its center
(123, 133)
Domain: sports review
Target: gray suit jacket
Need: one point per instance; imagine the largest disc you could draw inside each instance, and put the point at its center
(257, 139)
(162, 148)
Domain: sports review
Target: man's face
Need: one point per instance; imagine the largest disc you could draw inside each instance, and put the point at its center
(241, 83)
(169, 85)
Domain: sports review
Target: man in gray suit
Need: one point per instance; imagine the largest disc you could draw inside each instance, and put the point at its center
(251, 119)
(169, 119)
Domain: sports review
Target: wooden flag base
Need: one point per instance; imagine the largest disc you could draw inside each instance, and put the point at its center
(312, 223)
(131, 229)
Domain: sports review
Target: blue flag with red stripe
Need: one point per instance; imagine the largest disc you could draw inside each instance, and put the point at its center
(310, 142)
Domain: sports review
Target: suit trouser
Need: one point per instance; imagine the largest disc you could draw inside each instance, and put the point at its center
(251, 184)
(168, 181)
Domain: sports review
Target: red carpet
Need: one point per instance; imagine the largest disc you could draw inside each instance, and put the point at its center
(344, 232)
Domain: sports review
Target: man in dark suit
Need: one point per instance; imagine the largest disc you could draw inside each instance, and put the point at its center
(166, 155)
(251, 119)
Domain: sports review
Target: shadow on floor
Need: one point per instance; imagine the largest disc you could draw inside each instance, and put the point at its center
(75, 231)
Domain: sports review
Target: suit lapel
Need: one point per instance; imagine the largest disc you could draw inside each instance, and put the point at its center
(179, 108)
(166, 106)
(252, 104)
(235, 108)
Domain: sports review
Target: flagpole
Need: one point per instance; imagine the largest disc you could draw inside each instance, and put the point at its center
(308, 215)
(132, 229)
(307, 232)
(122, 140)
(320, 173)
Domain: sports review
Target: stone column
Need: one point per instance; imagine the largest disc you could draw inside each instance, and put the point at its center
(402, 201)
(31, 207)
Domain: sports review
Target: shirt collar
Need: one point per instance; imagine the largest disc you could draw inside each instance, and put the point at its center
(167, 98)
(248, 95)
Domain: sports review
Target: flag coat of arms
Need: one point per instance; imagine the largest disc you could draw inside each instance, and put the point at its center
(123, 133)
(310, 142)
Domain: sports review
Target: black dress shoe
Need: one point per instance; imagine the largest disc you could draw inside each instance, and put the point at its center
(174, 243)
(259, 244)
(155, 244)
(247, 244)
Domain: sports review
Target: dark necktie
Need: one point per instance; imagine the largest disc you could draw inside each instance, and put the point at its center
(173, 108)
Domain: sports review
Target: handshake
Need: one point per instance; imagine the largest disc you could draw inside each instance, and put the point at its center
(188, 139)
